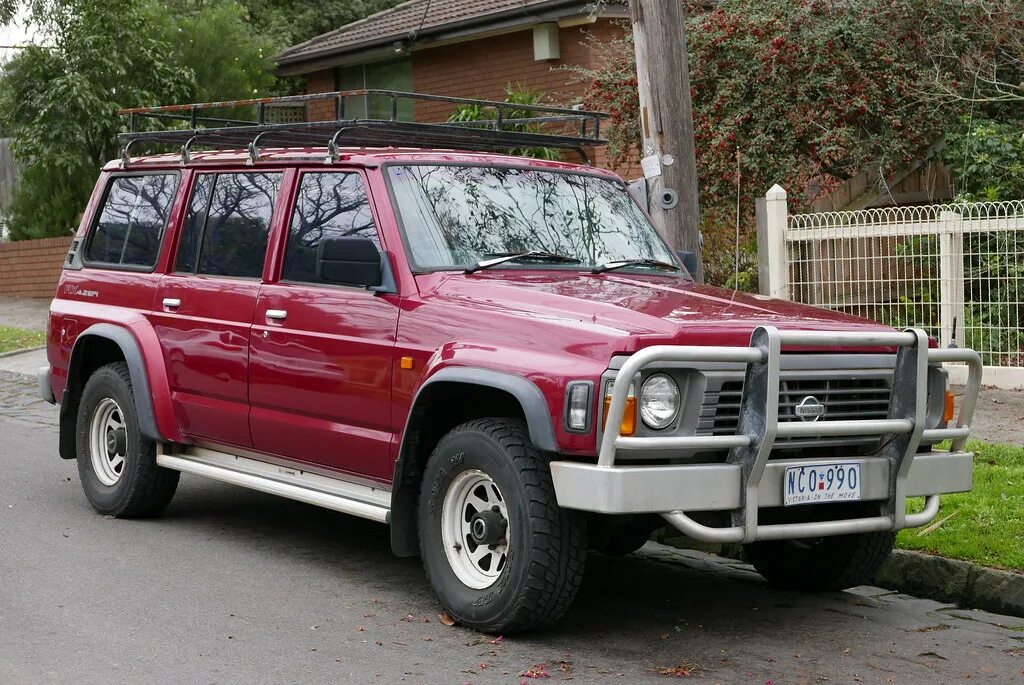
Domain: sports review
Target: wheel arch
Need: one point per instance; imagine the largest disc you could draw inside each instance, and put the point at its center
(97, 346)
(447, 399)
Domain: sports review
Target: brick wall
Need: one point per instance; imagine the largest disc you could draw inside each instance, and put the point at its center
(30, 268)
(321, 82)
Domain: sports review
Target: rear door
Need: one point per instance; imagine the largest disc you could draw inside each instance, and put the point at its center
(321, 355)
(204, 308)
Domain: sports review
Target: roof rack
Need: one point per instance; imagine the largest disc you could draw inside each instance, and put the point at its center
(204, 125)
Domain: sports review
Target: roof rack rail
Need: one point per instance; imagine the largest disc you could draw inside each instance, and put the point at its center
(202, 125)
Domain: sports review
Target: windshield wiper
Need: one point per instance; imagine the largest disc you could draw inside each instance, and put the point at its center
(653, 263)
(539, 255)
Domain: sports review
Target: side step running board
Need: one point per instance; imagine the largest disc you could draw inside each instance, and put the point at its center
(331, 493)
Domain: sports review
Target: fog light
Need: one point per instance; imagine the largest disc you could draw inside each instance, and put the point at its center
(628, 425)
(577, 407)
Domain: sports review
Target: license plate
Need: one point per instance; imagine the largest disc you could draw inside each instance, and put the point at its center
(813, 483)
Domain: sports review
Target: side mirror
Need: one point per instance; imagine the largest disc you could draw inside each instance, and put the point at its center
(689, 260)
(350, 261)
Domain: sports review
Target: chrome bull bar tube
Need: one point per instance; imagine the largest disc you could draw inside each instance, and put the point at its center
(759, 426)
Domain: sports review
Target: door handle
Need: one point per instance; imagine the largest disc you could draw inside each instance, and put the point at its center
(277, 314)
(171, 303)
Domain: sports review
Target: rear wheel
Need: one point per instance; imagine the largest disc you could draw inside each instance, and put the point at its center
(823, 564)
(116, 463)
(497, 549)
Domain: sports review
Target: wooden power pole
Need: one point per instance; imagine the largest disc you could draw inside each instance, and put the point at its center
(666, 120)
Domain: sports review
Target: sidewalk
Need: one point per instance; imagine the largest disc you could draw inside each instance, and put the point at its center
(30, 314)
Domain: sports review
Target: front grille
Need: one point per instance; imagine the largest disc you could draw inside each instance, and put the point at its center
(844, 399)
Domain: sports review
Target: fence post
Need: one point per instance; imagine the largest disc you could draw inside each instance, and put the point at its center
(951, 278)
(772, 219)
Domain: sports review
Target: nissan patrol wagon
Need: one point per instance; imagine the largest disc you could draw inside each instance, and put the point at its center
(498, 357)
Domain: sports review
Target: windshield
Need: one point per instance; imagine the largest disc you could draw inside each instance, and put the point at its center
(456, 216)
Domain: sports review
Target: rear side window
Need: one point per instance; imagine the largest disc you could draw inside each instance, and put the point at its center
(132, 220)
(328, 205)
(225, 232)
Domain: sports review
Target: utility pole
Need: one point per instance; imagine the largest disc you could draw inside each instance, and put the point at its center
(666, 119)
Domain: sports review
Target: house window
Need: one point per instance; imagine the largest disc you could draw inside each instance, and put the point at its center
(394, 75)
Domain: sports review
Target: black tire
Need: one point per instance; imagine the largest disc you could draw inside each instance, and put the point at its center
(821, 565)
(141, 488)
(546, 546)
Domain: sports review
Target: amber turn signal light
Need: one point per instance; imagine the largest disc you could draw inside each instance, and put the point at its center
(949, 407)
(628, 426)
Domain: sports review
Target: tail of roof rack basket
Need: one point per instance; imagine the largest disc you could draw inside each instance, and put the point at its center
(203, 125)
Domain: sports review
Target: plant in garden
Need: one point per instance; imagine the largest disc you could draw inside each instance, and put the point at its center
(515, 95)
(986, 157)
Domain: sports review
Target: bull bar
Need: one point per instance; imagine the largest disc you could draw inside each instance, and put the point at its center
(747, 479)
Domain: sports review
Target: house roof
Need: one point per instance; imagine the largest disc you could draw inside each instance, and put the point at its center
(431, 19)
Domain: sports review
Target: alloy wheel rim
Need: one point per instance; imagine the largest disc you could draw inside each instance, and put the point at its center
(471, 494)
(108, 438)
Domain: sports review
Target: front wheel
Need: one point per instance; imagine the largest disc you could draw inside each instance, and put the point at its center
(497, 549)
(116, 462)
(821, 565)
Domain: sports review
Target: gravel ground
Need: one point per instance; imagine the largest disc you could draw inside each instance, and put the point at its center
(999, 417)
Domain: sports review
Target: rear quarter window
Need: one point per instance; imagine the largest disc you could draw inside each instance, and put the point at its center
(132, 221)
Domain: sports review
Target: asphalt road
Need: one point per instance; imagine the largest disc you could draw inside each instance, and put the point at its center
(232, 586)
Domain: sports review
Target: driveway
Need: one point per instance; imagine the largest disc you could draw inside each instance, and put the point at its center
(233, 586)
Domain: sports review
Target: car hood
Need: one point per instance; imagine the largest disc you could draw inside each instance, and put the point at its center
(645, 309)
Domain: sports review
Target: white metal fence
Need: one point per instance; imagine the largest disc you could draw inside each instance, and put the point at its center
(956, 270)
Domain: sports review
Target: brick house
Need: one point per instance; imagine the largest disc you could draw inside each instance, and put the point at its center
(461, 48)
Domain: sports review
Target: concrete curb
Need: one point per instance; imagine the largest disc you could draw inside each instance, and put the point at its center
(953, 581)
(23, 350)
(950, 581)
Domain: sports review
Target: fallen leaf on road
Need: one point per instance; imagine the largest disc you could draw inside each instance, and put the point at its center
(446, 619)
(932, 629)
(536, 671)
(360, 629)
(683, 670)
(408, 618)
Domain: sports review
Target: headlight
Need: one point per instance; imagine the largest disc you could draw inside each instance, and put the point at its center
(659, 401)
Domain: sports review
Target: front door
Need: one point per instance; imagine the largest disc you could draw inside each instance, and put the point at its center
(204, 308)
(321, 355)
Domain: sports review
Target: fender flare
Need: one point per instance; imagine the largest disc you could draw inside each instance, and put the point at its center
(405, 483)
(531, 399)
(136, 369)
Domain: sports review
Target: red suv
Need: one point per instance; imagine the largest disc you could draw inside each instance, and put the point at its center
(497, 356)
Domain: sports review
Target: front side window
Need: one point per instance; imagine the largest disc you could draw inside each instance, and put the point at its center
(328, 205)
(132, 220)
(226, 230)
(456, 216)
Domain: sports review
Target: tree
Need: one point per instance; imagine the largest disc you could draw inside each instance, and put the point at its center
(61, 104)
(227, 54)
(287, 22)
